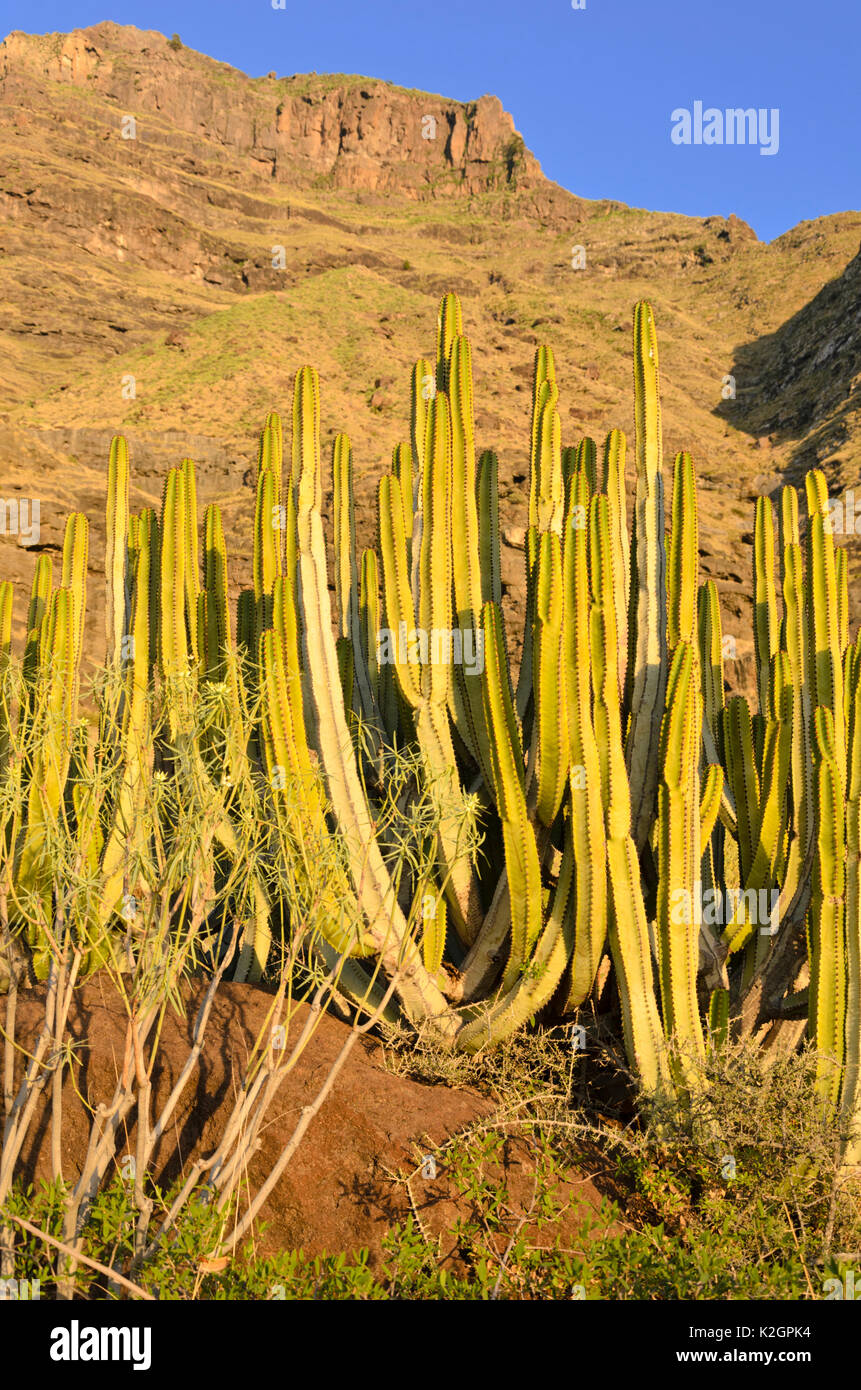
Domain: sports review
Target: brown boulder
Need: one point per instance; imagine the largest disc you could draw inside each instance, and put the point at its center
(344, 1188)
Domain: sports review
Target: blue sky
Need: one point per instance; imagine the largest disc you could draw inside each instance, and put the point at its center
(591, 90)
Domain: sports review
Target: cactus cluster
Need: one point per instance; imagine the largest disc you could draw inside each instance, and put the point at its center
(609, 811)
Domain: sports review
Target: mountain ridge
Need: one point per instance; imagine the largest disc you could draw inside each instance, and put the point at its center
(211, 255)
(294, 128)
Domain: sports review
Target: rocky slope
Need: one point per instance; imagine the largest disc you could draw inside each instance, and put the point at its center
(170, 284)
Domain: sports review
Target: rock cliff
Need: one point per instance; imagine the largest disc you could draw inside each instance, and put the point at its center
(350, 132)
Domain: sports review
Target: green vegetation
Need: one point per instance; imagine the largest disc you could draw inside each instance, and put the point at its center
(474, 850)
(513, 153)
(688, 1219)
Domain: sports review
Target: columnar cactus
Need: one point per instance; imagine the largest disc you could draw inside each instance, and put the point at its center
(608, 780)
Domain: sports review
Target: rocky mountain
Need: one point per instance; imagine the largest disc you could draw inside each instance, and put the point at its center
(177, 238)
(352, 132)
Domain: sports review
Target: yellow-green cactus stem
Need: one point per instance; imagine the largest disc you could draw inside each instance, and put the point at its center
(647, 677)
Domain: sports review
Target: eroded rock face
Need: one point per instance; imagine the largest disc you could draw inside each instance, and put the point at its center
(354, 133)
